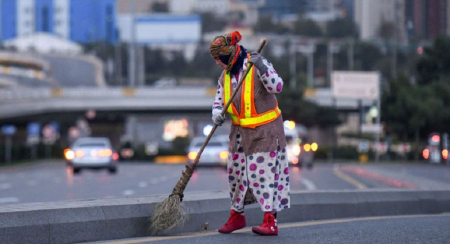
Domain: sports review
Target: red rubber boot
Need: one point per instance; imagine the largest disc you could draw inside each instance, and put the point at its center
(235, 222)
(269, 226)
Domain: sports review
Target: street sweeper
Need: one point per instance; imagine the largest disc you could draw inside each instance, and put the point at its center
(257, 161)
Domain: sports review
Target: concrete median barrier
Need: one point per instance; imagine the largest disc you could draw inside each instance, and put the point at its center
(107, 219)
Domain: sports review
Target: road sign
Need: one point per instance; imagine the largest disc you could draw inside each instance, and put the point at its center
(371, 128)
(355, 85)
(9, 130)
(34, 129)
(50, 133)
(363, 146)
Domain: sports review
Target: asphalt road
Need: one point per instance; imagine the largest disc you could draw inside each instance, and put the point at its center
(53, 181)
(418, 229)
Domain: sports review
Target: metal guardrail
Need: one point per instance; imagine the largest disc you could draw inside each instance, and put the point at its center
(88, 92)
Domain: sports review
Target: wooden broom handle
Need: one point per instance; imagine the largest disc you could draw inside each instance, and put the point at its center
(187, 173)
(197, 158)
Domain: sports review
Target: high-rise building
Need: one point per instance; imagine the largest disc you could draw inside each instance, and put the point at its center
(81, 21)
(448, 17)
(278, 8)
(371, 15)
(427, 19)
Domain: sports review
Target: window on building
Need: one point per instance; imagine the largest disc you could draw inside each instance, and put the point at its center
(45, 19)
(109, 23)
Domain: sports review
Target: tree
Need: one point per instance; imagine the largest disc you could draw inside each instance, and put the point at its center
(367, 55)
(294, 107)
(265, 24)
(414, 111)
(340, 28)
(387, 30)
(306, 27)
(434, 65)
(211, 23)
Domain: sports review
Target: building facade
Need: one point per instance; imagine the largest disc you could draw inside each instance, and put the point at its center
(82, 21)
(370, 15)
(428, 19)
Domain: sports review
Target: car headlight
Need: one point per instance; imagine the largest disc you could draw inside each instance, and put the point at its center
(314, 146)
(192, 155)
(307, 147)
(79, 153)
(69, 154)
(223, 155)
(296, 150)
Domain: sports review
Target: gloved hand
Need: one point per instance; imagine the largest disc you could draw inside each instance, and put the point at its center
(256, 59)
(217, 118)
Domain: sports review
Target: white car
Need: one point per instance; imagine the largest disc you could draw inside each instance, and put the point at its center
(91, 152)
(215, 153)
(292, 146)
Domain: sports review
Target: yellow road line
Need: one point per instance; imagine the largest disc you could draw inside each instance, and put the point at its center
(281, 226)
(348, 179)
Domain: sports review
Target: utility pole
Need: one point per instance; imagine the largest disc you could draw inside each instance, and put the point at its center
(132, 47)
(118, 68)
(377, 136)
(308, 51)
(394, 51)
(329, 61)
(350, 54)
(292, 65)
(141, 66)
(311, 68)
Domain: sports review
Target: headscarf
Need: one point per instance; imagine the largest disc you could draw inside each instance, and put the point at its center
(226, 45)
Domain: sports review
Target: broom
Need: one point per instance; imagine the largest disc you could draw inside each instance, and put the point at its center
(169, 213)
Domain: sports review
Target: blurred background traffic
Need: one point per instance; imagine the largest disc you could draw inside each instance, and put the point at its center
(364, 80)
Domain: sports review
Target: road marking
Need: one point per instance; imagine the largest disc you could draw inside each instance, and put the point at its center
(142, 184)
(308, 184)
(8, 199)
(348, 179)
(5, 186)
(280, 226)
(128, 192)
(32, 183)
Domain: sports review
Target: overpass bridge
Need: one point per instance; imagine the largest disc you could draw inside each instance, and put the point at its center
(34, 101)
(17, 102)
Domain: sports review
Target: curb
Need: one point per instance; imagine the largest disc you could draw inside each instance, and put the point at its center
(109, 219)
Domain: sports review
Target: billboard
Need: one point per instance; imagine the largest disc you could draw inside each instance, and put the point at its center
(355, 85)
(161, 29)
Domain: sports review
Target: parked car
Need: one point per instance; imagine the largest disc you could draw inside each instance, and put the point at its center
(91, 152)
(215, 153)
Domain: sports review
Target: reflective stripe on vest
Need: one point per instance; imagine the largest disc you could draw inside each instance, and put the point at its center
(248, 117)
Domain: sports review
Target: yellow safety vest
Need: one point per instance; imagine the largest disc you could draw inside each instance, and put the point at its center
(248, 117)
